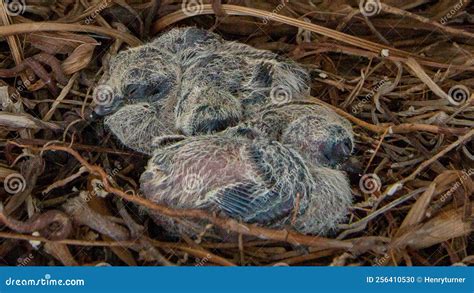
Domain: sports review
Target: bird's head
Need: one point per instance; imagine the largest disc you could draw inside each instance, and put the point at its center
(322, 141)
(139, 75)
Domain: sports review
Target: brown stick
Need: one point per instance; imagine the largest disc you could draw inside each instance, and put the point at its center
(31, 27)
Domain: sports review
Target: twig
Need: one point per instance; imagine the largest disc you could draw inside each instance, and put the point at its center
(30, 27)
(43, 223)
(61, 183)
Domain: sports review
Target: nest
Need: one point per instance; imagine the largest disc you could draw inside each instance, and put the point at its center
(401, 73)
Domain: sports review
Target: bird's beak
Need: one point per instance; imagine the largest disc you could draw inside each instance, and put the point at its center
(346, 148)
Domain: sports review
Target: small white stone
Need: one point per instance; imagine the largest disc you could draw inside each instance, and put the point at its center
(385, 53)
(323, 75)
(35, 243)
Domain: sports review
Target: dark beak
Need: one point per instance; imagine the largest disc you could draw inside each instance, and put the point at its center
(346, 148)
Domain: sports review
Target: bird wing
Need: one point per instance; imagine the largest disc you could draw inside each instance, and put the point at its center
(252, 202)
(283, 183)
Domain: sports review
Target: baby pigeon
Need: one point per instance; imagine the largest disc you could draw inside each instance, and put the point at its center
(320, 135)
(190, 81)
(245, 173)
(252, 180)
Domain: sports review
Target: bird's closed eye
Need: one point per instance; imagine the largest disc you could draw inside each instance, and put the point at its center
(337, 151)
(150, 91)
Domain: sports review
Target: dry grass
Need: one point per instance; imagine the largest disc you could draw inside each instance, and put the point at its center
(392, 74)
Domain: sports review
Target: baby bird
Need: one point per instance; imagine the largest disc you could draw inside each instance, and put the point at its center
(254, 181)
(225, 138)
(190, 81)
(274, 170)
(139, 97)
(316, 132)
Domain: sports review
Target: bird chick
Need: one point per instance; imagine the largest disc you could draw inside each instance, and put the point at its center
(192, 82)
(229, 84)
(317, 133)
(139, 96)
(141, 74)
(254, 181)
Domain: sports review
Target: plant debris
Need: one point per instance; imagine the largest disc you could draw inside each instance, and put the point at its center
(402, 72)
